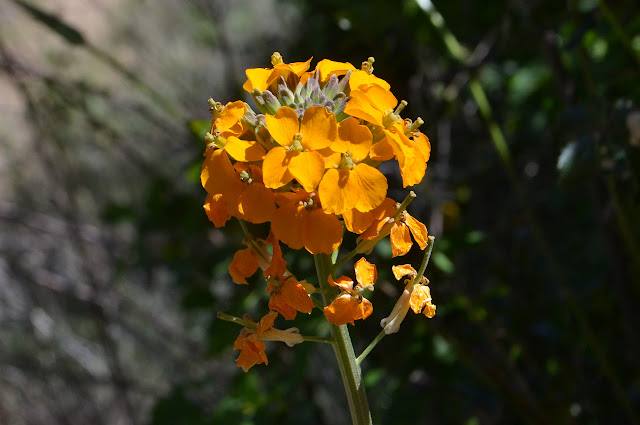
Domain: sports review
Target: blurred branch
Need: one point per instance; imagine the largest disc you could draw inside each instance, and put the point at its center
(613, 21)
(75, 37)
(460, 54)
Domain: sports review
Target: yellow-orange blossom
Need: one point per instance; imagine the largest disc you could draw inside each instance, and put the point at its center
(306, 163)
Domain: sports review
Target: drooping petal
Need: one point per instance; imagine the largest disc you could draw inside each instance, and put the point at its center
(353, 137)
(319, 128)
(420, 296)
(252, 351)
(256, 203)
(296, 296)
(266, 323)
(283, 125)
(345, 283)
(307, 168)
(321, 233)
(429, 310)
(370, 187)
(381, 215)
(275, 168)
(244, 150)
(286, 224)
(278, 265)
(326, 68)
(278, 303)
(216, 210)
(403, 270)
(400, 240)
(418, 230)
(409, 156)
(336, 191)
(366, 273)
(346, 309)
(243, 265)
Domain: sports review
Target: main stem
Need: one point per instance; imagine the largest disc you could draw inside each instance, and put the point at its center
(349, 368)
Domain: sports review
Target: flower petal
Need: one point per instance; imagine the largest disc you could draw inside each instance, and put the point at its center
(420, 295)
(286, 224)
(252, 351)
(403, 270)
(296, 295)
(216, 210)
(353, 137)
(217, 174)
(418, 230)
(321, 233)
(275, 168)
(356, 221)
(366, 273)
(256, 203)
(326, 68)
(336, 191)
(360, 77)
(346, 309)
(257, 78)
(400, 240)
(244, 150)
(307, 168)
(369, 186)
(283, 125)
(319, 128)
(243, 265)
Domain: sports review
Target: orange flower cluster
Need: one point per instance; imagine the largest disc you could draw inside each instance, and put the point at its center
(307, 163)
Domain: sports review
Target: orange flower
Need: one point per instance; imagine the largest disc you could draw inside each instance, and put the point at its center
(288, 296)
(300, 222)
(297, 155)
(375, 104)
(227, 128)
(401, 232)
(264, 78)
(227, 119)
(352, 183)
(240, 187)
(250, 341)
(416, 296)
(350, 305)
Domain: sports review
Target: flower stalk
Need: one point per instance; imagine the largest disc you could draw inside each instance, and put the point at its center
(343, 349)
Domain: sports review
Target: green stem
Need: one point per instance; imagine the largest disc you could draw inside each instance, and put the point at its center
(349, 368)
(371, 346)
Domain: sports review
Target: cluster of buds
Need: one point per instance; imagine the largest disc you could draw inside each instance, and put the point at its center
(307, 163)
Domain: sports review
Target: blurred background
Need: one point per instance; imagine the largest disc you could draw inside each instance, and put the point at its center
(111, 275)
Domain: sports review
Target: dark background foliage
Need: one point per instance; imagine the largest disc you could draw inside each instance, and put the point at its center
(111, 275)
